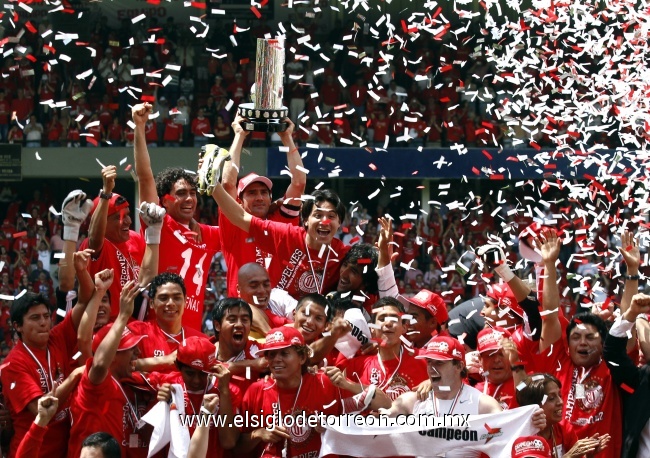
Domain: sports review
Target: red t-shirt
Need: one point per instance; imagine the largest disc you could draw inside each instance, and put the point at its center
(124, 258)
(397, 376)
(316, 394)
(173, 131)
(191, 260)
(238, 249)
(158, 343)
(504, 393)
(200, 127)
(249, 353)
(193, 403)
(600, 409)
(288, 244)
(24, 381)
(102, 407)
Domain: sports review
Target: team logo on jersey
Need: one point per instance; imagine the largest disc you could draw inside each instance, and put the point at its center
(299, 433)
(308, 283)
(594, 395)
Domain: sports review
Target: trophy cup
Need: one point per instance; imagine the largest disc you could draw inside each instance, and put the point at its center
(266, 113)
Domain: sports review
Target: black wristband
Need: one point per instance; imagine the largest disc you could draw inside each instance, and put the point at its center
(632, 277)
(103, 195)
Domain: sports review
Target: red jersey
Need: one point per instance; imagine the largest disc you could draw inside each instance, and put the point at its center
(191, 260)
(315, 394)
(238, 249)
(504, 393)
(27, 376)
(106, 407)
(194, 401)
(249, 353)
(158, 342)
(124, 258)
(394, 377)
(173, 131)
(299, 276)
(200, 127)
(592, 400)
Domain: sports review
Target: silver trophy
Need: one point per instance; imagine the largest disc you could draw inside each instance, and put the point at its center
(266, 113)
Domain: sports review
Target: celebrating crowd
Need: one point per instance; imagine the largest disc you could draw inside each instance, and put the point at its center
(310, 325)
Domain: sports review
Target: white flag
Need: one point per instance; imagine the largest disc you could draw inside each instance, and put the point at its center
(492, 434)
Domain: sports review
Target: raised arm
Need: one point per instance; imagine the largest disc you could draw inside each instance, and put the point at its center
(74, 211)
(549, 244)
(103, 281)
(97, 230)
(231, 170)
(107, 349)
(231, 209)
(152, 215)
(86, 286)
(298, 177)
(629, 249)
(386, 275)
(146, 181)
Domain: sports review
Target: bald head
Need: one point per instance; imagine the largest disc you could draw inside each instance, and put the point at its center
(254, 285)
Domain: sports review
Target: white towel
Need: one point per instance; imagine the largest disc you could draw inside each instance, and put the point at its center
(167, 427)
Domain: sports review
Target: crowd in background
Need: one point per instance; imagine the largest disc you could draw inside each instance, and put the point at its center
(431, 250)
(448, 94)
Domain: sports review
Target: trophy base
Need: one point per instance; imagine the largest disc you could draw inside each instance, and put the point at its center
(263, 120)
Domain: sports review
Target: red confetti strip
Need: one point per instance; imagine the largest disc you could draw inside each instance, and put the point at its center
(256, 12)
(30, 27)
(476, 171)
(627, 388)
(372, 166)
(446, 68)
(199, 5)
(488, 155)
(127, 168)
(354, 240)
(18, 235)
(154, 2)
(363, 261)
(497, 176)
(244, 61)
(91, 140)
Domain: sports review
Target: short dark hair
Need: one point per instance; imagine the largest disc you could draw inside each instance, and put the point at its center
(221, 308)
(164, 278)
(386, 301)
(320, 196)
(535, 389)
(365, 251)
(317, 299)
(105, 442)
(588, 318)
(165, 180)
(21, 306)
(464, 372)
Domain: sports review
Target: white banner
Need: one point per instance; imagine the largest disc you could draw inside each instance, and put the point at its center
(491, 434)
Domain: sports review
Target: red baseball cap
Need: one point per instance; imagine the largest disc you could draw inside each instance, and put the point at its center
(282, 337)
(443, 348)
(431, 302)
(530, 447)
(250, 179)
(127, 341)
(115, 204)
(197, 352)
(489, 339)
(504, 297)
